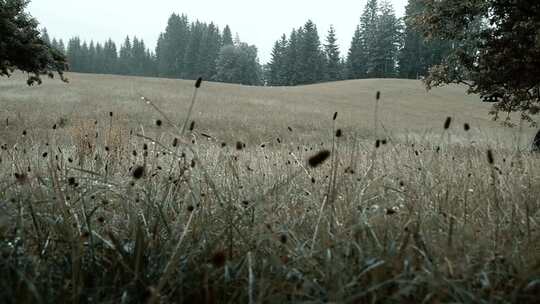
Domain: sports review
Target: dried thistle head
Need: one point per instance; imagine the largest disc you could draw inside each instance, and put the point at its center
(21, 178)
(317, 159)
(447, 122)
(218, 259)
(138, 172)
(198, 82)
(490, 158)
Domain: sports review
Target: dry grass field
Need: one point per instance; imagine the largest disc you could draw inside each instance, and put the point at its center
(266, 197)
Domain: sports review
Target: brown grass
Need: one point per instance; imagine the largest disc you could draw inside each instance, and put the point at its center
(423, 218)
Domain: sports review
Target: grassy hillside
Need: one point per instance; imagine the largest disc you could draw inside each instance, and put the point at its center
(253, 114)
(266, 199)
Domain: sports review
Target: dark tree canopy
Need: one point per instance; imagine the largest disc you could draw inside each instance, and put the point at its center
(23, 47)
(417, 55)
(497, 50)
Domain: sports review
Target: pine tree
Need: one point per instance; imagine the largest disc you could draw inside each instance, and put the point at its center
(333, 60)
(45, 36)
(171, 47)
(74, 54)
(368, 29)
(292, 62)
(85, 58)
(387, 42)
(277, 66)
(227, 36)
(91, 61)
(99, 59)
(138, 57)
(125, 59)
(209, 51)
(357, 57)
(192, 63)
(418, 54)
(110, 57)
(311, 59)
(54, 44)
(22, 47)
(61, 46)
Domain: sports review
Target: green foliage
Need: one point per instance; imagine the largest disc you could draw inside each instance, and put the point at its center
(23, 47)
(193, 62)
(125, 59)
(185, 50)
(311, 57)
(227, 36)
(277, 67)
(300, 59)
(334, 68)
(368, 29)
(375, 44)
(356, 58)
(418, 54)
(497, 50)
(238, 64)
(382, 62)
(171, 47)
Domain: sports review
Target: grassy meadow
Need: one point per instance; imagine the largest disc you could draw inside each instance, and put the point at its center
(110, 193)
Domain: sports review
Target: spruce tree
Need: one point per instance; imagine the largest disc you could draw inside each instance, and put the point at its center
(138, 57)
(192, 63)
(61, 46)
(171, 47)
(99, 59)
(91, 63)
(85, 58)
(45, 36)
(292, 62)
(277, 74)
(210, 47)
(333, 59)
(357, 57)
(227, 36)
(311, 57)
(110, 57)
(368, 29)
(387, 42)
(54, 44)
(23, 48)
(419, 54)
(125, 58)
(74, 54)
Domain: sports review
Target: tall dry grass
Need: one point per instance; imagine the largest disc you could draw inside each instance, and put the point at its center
(173, 214)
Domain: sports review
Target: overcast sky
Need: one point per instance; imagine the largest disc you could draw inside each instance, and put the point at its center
(257, 22)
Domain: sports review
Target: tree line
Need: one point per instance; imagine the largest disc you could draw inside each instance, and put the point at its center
(185, 50)
(383, 46)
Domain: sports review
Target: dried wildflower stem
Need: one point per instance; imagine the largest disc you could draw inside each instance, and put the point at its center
(300, 164)
(186, 122)
(169, 121)
(251, 279)
(175, 257)
(314, 239)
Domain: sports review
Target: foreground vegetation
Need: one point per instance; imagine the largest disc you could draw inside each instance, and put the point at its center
(154, 211)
